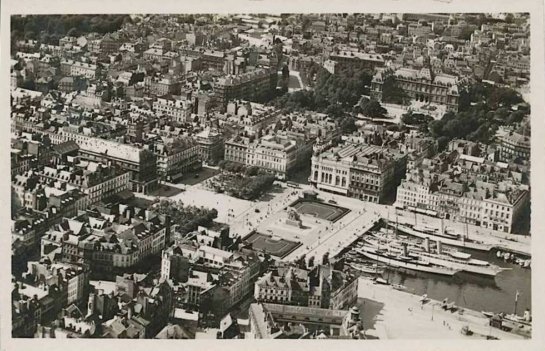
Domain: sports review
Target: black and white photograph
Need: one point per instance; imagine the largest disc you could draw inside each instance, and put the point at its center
(272, 175)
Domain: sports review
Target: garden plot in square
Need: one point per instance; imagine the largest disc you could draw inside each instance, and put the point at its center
(319, 210)
(273, 246)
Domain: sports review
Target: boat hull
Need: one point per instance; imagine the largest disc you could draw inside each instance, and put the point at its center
(366, 269)
(481, 270)
(444, 240)
(408, 265)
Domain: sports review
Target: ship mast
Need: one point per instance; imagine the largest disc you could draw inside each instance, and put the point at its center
(388, 268)
(395, 232)
(387, 220)
(516, 302)
(376, 264)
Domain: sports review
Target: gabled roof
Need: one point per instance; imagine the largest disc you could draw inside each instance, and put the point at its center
(66, 147)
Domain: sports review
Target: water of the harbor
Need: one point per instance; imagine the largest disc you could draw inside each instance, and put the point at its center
(471, 291)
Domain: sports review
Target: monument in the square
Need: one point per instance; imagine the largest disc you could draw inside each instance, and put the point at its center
(294, 219)
(310, 195)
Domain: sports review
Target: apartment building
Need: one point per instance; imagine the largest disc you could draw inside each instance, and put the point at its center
(237, 149)
(238, 276)
(276, 154)
(249, 85)
(471, 190)
(276, 321)
(179, 110)
(321, 287)
(211, 275)
(28, 192)
(211, 146)
(514, 146)
(212, 60)
(87, 70)
(95, 180)
(176, 158)
(74, 278)
(92, 239)
(27, 227)
(141, 163)
(161, 86)
(251, 116)
(354, 59)
(43, 292)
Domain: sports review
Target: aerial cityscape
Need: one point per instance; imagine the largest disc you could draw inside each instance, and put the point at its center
(271, 176)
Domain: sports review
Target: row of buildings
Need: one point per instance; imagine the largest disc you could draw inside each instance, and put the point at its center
(469, 189)
(485, 185)
(117, 237)
(283, 147)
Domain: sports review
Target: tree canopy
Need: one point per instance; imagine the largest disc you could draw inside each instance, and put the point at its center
(188, 218)
(482, 109)
(49, 29)
(416, 118)
(334, 94)
(371, 108)
(241, 181)
(392, 93)
(348, 125)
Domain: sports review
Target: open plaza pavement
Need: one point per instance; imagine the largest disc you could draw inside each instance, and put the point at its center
(267, 215)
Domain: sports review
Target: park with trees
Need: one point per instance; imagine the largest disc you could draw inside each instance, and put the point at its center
(188, 218)
(241, 181)
(483, 108)
(333, 94)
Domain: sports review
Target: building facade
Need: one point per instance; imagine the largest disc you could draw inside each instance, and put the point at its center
(421, 85)
(514, 146)
(477, 199)
(178, 110)
(366, 172)
(210, 145)
(248, 85)
(141, 163)
(177, 158)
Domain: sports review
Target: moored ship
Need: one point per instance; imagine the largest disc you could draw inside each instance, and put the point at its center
(400, 261)
(447, 239)
(449, 258)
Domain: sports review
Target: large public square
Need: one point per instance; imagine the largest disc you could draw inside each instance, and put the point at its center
(327, 225)
(326, 229)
